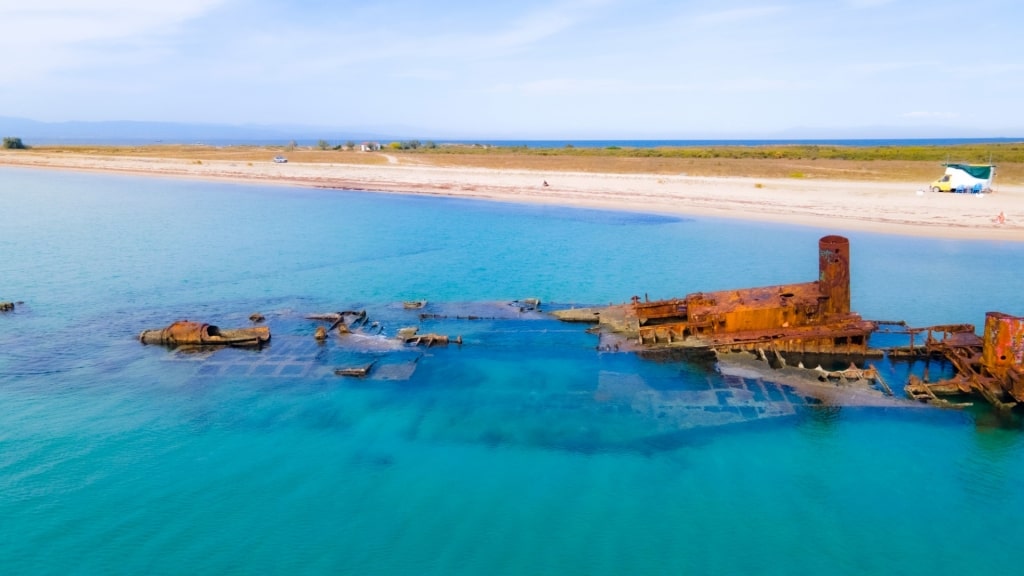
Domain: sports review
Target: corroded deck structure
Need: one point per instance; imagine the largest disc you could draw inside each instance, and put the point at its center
(810, 317)
(991, 366)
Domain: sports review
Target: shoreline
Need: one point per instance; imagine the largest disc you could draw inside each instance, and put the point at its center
(877, 207)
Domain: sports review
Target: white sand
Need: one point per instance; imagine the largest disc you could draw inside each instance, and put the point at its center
(885, 207)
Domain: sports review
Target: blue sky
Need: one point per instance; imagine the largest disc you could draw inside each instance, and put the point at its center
(525, 69)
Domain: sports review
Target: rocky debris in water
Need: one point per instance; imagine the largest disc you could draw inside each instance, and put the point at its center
(345, 321)
(591, 315)
(355, 371)
(6, 306)
(256, 318)
(527, 304)
(409, 335)
(320, 334)
(429, 340)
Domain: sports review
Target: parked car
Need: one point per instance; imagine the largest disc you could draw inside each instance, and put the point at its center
(280, 159)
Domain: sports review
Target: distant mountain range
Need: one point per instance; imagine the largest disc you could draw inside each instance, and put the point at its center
(110, 132)
(33, 132)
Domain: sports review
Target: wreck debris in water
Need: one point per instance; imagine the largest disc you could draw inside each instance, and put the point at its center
(186, 333)
(991, 366)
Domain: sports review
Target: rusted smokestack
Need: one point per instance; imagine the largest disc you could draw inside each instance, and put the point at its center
(1003, 344)
(834, 274)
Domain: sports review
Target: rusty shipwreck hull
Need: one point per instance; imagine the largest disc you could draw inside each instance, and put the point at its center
(991, 366)
(810, 317)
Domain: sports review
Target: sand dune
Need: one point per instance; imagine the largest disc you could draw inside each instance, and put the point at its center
(894, 207)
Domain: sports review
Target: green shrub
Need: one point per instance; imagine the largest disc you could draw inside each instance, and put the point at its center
(13, 143)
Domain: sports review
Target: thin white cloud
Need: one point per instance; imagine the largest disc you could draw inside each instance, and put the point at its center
(924, 114)
(877, 67)
(868, 3)
(429, 74)
(69, 21)
(399, 49)
(536, 26)
(738, 14)
(994, 70)
(532, 29)
(558, 86)
(49, 34)
(581, 86)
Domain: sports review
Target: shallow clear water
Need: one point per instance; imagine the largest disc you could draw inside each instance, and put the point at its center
(524, 451)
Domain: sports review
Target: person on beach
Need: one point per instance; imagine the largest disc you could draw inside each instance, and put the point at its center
(1000, 219)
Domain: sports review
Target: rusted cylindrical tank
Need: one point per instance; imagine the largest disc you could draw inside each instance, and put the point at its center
(1003, 342)
(834, 273)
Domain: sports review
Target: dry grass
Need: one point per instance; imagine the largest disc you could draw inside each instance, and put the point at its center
(869, 170)
(227, 153)
(918, 171)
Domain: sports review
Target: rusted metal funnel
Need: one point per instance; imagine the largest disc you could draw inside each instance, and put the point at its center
(834, 274)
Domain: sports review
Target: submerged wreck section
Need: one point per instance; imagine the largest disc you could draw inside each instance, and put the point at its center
(991, 366)
(815, 318)
(186, 333)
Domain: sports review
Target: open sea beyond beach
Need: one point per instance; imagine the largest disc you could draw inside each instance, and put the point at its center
(523, 451)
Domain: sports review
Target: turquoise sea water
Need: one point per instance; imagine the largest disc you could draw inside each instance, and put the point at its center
(524, 451)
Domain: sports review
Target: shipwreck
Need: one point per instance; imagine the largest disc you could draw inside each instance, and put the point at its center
(809, 317)
(814, 318)
(777, 328)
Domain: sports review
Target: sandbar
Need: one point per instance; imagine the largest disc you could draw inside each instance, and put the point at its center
(880, 207)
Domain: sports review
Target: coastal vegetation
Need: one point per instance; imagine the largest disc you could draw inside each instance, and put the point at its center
(917, 164)
(977, 153)
(13, 143)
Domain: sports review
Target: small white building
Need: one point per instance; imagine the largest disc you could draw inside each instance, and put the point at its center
(369, 147)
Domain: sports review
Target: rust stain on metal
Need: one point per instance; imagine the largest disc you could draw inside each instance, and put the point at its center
(186, 333)
(812, 317)
(991, 366)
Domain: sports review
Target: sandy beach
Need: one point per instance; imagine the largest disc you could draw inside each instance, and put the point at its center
(881, 207)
